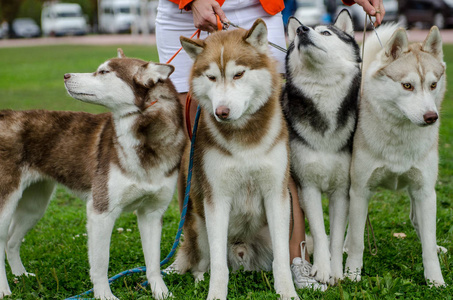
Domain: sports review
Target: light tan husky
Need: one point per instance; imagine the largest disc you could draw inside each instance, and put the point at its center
(395, 145)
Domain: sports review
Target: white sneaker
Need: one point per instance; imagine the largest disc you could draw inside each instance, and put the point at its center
(301, 269)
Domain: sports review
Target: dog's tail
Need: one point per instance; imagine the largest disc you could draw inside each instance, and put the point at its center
(372, 45)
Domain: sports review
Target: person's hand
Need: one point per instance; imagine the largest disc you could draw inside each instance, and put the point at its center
(204, 12)
(373, 8)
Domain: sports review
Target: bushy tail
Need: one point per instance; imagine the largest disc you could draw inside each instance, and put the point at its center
(372, 45)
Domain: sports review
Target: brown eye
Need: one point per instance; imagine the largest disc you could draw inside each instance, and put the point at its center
(238, 75)
(212, 78)
(408, 86)
(326, 33)
(433, 85)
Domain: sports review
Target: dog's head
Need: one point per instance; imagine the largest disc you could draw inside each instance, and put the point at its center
(412, 76)
(330, 48)
(232, 76)
(121, 84)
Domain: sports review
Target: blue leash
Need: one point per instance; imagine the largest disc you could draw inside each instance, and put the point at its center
(181, 222)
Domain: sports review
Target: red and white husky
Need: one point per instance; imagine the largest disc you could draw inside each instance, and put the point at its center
(124, 160)
(239, 202)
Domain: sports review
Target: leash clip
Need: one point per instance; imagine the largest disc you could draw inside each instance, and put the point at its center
(375, 31)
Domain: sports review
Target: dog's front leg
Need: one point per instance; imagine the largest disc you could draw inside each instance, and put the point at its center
(5, 220)
(150, 226)
(338, 213)
(277, 207)
(217, 214)
(358, 210)
(100, 226)
(312, 203)
(423, 217)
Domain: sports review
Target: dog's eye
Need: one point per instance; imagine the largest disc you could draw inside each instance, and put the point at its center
(104, 72)
(433, 85)
(212, 78)
(238, 75)
(408, 86)
(326, 33)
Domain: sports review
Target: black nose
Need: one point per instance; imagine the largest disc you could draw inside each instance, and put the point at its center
(67, 76)
(430, 117)
(222, 112)
(302, 29)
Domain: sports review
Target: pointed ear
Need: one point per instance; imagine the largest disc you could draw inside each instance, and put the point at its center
(433, 43)
(257, 36)
(293, 24)
(397, 45)
(344, 22)
(192, 47)
(151, 72)
(120, 53)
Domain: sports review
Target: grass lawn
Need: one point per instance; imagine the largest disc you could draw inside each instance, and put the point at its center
(56, 249)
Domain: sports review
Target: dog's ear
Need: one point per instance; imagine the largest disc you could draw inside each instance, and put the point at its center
(344, 22)
(151, 72)
(192, 47)
(397, 45)
(433, 43)
(257, 36)
(120, 53)
(293, 24)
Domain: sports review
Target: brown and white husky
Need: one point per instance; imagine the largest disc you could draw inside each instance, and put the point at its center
(239, 202)
(120, 161)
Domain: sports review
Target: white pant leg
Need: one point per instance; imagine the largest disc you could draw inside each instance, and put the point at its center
(171, 23)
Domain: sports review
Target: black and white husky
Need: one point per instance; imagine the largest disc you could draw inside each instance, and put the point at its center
(320, 103)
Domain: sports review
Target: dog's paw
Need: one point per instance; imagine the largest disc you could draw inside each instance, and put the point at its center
(162, 296)
(441, 249)
(105, 294)
(215, 296)
(198, 276)
(159, 289)
(321, 273)
(106, 297)
(5, 292)
(27, 274)
(354, 276)
(289, 296)
(335, 278)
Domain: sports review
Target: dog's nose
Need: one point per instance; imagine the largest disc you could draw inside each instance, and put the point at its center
(430, 117)
(241, 254)
(222, 112)
(67, 76)
(302, 29)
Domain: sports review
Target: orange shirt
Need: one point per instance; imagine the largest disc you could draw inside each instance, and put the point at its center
(270, 6)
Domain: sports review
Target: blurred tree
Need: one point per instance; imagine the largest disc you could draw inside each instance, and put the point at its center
(9, 11)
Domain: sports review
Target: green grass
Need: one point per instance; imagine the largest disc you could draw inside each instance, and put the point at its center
(55, 250)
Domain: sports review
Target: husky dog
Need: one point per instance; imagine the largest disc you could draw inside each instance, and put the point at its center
(320, 104)
(395, 145)
(124, 160)
(241, 164)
